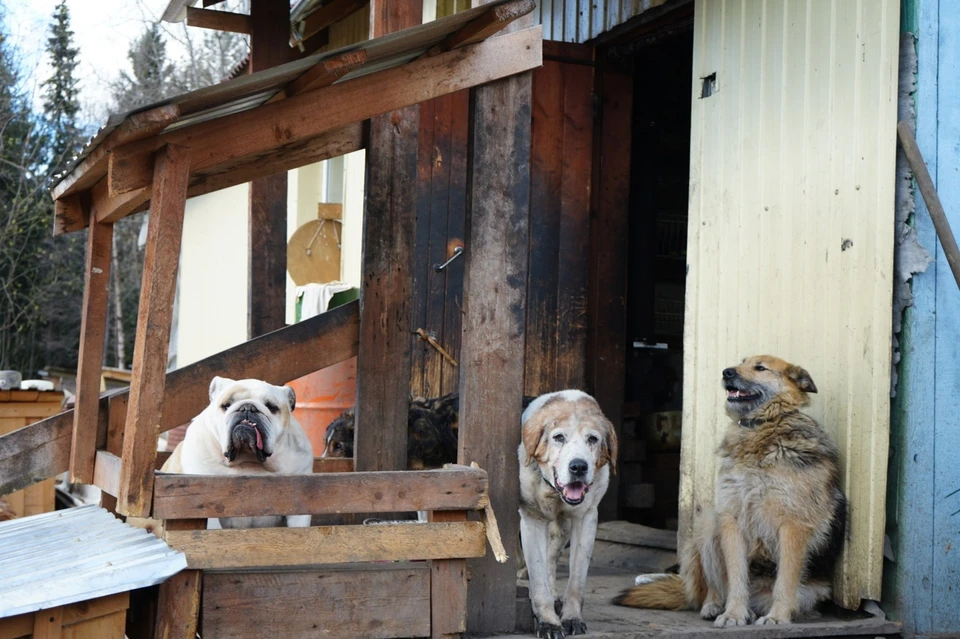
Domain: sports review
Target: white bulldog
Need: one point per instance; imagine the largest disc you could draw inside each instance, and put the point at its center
(247, 429)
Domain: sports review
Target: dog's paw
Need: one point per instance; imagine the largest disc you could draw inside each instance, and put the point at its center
(772, 620)
(574, 627)
(734, 617)
(711, 610)
(549, 631)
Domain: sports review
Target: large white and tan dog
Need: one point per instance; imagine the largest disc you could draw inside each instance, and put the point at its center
(247, 429)
(566, 457)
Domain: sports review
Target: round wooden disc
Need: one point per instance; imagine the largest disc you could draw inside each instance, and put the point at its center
(313, 252)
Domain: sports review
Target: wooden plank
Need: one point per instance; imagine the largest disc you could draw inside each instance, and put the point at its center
(39, 498)
(490, 23)
(107, 208)
(273, 547)
(219, 20)
(623, 532)
(327, 15)
(426, 157)
(491, 375)
(178, 607)
(106, 475)
(107, 626)
(546, 182)
(327, 72)
(48, 624)
(574, 233)
(69, 215)
(376, 602)
(16, 627)
(42, 450)
(267, 266)
(248, 135)
(93, 608)
(333, 465)
(389, 238)
(448, 588)
(90, 359)
(160, 262)
(607, 289)
(195, 496)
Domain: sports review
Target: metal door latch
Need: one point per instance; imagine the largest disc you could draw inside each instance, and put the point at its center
(456, 253)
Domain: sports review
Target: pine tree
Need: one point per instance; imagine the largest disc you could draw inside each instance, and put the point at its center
(61, 104)
(152, 78)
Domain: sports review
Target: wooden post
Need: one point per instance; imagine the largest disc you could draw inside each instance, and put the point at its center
(90, 362)
(389, 221)
(448, 588)
(491, 352)
(178, 606)
(607, 291)
(267, 263)
(160, 262)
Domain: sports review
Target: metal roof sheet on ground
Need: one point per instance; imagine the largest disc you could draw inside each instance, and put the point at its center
(251, 91)
(74, 555)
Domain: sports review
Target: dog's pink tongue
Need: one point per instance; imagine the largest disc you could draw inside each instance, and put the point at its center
(573, 491)
(259, 438)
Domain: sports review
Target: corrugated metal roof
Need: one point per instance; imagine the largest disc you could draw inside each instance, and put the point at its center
(74, 555)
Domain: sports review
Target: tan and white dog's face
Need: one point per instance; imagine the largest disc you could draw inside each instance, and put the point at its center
(570, 439)
(251, 415)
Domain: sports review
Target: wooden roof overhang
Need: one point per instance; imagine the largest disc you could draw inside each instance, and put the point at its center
(291, 115)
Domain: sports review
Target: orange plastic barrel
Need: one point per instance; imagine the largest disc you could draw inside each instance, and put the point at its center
(322, 396)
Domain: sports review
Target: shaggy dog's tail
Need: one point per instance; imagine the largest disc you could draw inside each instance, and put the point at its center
(661, 591)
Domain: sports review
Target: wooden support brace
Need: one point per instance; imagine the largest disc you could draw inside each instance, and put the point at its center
(160, 262)
(219, 20)
(327, 15)
(490, 23)
(448, 588)
(178, 606)
(90, 361)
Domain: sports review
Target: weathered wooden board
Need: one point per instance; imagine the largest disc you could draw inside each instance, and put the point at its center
(607, 288)
(448, 588)
(42, 450)
(90, 358)
(193, 496)
(379, 602)
(160, 262)
(267, 547)
(178, 605)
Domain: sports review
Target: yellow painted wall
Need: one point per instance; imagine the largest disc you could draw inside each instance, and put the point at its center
(212, 295)
(790, 245)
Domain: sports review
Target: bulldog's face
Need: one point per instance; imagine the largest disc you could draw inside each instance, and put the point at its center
(568, 436)
(251, 416)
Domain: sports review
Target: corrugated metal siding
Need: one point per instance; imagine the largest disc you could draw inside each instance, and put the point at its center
(790, 246)
(74, 555)
(582, 20)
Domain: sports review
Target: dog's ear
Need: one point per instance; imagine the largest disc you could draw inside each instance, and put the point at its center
(802, 379)
(532, 435)
(611, 448)
(217, 386)
(291, 397)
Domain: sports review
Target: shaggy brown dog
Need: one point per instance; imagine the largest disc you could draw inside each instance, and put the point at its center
(770, 546)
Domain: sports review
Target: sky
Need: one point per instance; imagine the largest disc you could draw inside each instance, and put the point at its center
(103, 31)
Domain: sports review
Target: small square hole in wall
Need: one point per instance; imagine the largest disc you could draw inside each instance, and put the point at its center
(709, 86)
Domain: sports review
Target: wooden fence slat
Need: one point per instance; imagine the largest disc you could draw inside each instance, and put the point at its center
(194, 496)
(160, 263)
(273, 547)
(90, 359)
(448, 588)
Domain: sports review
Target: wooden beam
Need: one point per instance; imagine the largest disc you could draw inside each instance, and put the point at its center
(70, 214)
(327, 15)
(195, 496)
(106, 474)
(609, 230)
(243, 138)
(178, 603)
(219, 20)
(93, 328)
(448, 588)
(327, 72)
(42, 450)
(495, 276)
(274, 547)
(490, 23)
(389, 223)
(160, 261)
(333, 465)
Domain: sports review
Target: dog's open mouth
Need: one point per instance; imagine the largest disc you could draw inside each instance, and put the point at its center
(572, 493)
(737, 395)
(246, 434)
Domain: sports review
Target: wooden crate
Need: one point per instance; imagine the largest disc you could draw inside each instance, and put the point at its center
(101, 618)
(18, 409)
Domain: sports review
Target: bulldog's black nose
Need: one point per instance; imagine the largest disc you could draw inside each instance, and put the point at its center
(729, 373)
(578, 467)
